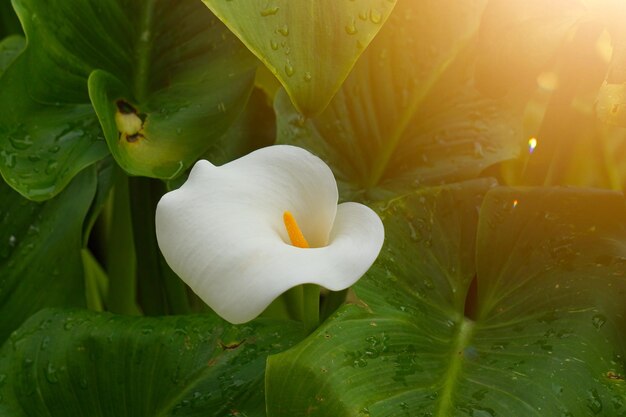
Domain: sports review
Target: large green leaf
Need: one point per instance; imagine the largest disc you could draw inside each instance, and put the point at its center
(79, 363)
(546, 333)
(309, 45)
(166, 80)
(408, 111)
(40, 243)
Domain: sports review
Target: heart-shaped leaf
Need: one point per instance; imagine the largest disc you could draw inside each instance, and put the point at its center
(40, 259)
(310, 46)
(166, 80)
(545, 337)
(82, 363)
(408, 112)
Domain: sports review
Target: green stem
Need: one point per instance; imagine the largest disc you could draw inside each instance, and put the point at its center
(121, 260)
(160, 290)
(311, 306)
(93, 276)
(332, 301)
(294, 301)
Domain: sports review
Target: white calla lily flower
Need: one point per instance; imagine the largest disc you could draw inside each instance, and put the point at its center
(224, 232)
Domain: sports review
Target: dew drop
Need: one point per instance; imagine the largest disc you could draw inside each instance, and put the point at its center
(598, 320)
(269, 11)
(351, 28)
(21, 143)
(375, 16)
(289, 70)
(594, 403)
(51, 374)
(283, 30)
(51, 167)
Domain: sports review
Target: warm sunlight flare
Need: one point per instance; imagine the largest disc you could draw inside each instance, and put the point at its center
(532, 144)
(230, 231)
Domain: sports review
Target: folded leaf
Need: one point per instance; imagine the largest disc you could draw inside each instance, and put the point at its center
(40, 244)
(310, 46)
(166, 81)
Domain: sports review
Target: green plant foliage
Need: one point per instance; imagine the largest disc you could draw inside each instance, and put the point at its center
(9, 24)
(309, 45)
(40, 243)
(408, 113)
(163, 90)
(10, 48)
(254, 128)
(83, 363)
(545, 337)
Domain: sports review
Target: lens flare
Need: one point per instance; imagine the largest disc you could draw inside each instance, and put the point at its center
(532, 144)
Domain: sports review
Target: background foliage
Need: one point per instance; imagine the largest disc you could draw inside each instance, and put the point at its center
(499, 292)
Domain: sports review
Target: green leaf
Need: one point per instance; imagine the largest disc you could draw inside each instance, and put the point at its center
(254, 128)
(408, 113)
(310, 46)
(82, 363)
(9, 24)
(10, 48)
(40, 244)
(546, 338)
(166, 81)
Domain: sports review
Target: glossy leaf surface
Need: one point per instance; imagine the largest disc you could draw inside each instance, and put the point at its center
(166, 81)
(408, 113)
(82, 363)
(40, 243)
(310, 46)
(546, 336)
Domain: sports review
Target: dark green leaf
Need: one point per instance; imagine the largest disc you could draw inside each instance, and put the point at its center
(9, 24)
(40, 244)
(254, 128)
(166, 80)
(79, 363)
(10, 48)
(408, 113)
(546, 333)
(310, 46)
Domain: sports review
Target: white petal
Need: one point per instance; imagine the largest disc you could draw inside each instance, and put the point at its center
(222, 231)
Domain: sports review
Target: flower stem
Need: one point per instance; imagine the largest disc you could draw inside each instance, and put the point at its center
(311, 306)
(332, 301)
(121, 262)
(160, 290)
(294, 301)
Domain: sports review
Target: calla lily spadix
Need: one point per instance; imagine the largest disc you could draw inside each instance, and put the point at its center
(237, 234)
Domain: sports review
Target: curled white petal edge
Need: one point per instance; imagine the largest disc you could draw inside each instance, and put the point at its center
(239, 266)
